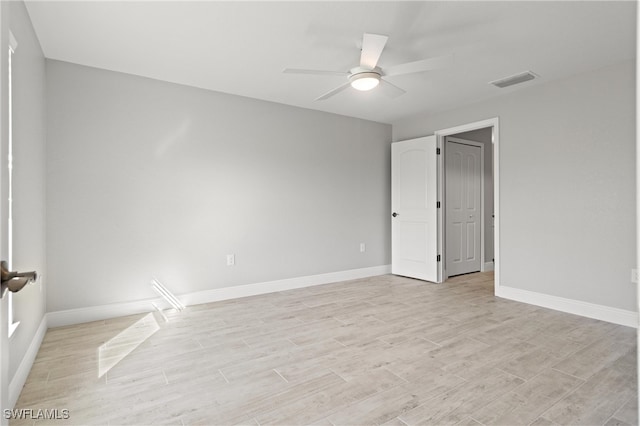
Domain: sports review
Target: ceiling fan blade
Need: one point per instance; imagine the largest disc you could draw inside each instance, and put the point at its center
(420, 66)
(390, 90)
(332, 92)
(313, 72)
(372, 46)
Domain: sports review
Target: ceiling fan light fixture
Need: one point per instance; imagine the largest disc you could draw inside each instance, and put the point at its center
(365, 80)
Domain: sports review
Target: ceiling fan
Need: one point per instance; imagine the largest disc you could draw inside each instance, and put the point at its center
(368, 74)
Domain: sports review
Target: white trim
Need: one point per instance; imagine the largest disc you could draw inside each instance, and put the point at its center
(102, 312)
(480, 145)
(495, 124)
(496, 202)
(281, 285)
(488, 266)
(21, 374)
(13, 43)
(96, 313)
(440, 170)
(13, 325)
(577, 307)
(637, 193)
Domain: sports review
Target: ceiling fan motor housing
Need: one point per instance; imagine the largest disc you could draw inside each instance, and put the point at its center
(364, 79)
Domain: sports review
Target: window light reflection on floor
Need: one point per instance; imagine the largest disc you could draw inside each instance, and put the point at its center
(116, 349)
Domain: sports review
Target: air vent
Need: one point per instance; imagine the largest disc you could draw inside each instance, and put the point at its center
(514, 79)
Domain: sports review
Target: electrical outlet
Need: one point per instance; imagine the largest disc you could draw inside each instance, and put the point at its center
(231, 259)
(363, 248)
(634, 276)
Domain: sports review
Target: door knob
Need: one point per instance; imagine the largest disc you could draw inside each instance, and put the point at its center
(394, 214)
(14, 281)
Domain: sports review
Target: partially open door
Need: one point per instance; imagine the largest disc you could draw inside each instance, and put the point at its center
(414, 198)
(5, 121)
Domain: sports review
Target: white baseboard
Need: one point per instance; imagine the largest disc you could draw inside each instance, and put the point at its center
(577, 307)
(96, 313)
(488, 266)
(226, 293)
(20, 377)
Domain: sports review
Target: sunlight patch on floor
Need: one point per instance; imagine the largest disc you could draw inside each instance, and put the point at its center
(116, 349)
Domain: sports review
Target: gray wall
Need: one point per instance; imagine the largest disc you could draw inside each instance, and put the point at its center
(151, 179)
(28, 76)
(567, 167)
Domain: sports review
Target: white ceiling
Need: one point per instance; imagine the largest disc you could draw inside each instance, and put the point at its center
(242, 47)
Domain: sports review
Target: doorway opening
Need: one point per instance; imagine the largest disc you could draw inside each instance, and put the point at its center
(468, 184)
(467, 240)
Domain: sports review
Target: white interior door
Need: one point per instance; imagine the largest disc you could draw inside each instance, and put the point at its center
(414, 222)
(463, 183)
(4, 192)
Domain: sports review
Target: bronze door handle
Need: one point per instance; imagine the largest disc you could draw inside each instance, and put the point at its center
(15, 281)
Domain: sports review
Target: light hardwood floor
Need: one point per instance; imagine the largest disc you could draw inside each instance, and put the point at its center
(383, 350)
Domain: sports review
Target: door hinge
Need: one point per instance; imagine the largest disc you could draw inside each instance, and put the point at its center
(437, 151)
(438, 204)
(438, 258)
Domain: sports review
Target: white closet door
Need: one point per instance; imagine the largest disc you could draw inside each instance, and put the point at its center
(463, 200)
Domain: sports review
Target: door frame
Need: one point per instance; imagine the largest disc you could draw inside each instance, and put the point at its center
(454, 139)
(494, 123)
